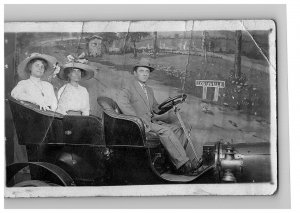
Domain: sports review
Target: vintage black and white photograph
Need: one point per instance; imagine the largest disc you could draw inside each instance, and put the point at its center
(133, 108)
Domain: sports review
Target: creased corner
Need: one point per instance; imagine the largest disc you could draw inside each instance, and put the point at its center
(272, 65)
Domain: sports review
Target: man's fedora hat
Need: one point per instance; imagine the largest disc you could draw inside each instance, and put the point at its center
(144, 62)
(23, 69)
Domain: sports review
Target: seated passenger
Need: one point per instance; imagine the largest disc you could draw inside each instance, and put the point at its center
(32, 88)
(73, 99)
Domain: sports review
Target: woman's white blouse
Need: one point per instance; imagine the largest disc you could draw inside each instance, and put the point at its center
(73, 98)
(35, 91)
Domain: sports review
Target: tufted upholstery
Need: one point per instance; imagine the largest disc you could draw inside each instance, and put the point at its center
(109, 105)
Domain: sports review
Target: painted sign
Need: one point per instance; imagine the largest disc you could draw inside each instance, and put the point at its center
(210, 83)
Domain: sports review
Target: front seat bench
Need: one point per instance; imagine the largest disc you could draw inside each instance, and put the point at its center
(115, 121)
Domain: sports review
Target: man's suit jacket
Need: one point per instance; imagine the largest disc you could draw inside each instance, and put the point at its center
(133, 101)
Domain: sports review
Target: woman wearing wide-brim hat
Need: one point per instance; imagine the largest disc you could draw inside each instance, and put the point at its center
(73, 99)
(31, 88)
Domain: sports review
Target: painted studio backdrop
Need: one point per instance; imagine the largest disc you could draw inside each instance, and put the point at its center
(226, 69)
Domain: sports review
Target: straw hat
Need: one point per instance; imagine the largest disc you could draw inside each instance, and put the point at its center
(24, 72)
(87, 71)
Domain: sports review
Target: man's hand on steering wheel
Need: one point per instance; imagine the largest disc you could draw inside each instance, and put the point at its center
(169, 104)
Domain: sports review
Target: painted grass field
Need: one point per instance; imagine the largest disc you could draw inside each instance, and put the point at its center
(171, 70)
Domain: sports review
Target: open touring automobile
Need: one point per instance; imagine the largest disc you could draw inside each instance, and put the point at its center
(114, 149)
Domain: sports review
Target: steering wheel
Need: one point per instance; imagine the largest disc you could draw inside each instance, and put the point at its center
(169, 104)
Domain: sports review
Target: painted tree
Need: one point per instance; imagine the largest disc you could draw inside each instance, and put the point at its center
(155, 46)
(237, 63)
(135, 37)
(109, 38)
(205, 44)
(24, 39)
(211, 46)
(175, 41)
(238, 50)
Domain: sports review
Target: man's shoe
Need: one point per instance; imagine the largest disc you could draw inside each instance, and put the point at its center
(197, 164)
(190, 169)
(187, 169)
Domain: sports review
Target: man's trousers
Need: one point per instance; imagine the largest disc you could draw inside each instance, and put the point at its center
(172, 138)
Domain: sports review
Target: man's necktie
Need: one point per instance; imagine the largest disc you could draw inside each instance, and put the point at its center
(145, 91)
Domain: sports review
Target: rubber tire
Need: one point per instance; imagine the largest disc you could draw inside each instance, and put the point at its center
(33, 183)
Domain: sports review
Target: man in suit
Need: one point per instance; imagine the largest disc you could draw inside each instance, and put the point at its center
(137, 99)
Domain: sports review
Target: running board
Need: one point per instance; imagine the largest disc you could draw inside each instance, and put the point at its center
(184, 178)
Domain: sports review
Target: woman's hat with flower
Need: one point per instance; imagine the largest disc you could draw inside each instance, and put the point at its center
(77, 63)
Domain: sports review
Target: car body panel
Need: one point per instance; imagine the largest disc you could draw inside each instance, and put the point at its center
(116, 150)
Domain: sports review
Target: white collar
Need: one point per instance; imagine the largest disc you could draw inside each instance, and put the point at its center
(73, 86)
(142, 84)
(32, 78)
